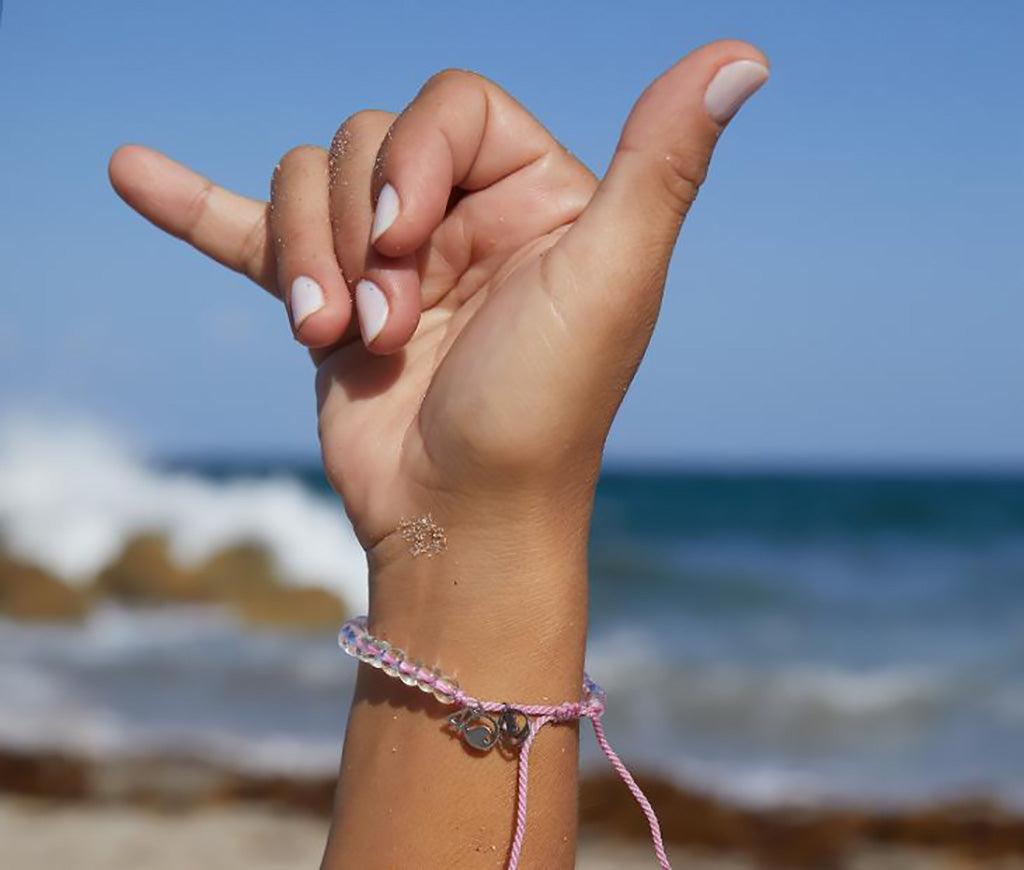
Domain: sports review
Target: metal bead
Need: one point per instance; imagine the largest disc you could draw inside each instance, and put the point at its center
(513, 726)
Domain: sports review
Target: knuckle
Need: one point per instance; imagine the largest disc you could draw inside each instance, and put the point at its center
(682, 173)
(196, 210)
(678, 175)
(255, 252)
(362, 130)
(689, 166)
(299, 236)
(300, 154)
(360, 125)
(290, 168)
(453, 77)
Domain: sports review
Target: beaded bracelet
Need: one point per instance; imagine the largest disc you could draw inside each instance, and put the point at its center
(484, 724)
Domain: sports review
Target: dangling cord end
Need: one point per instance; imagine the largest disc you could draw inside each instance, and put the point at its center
(521, 793)
(641, 798)
(524, 776)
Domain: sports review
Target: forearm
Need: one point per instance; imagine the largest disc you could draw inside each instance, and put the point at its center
(503, 610)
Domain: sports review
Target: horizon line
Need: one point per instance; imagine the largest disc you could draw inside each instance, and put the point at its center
(722, 465)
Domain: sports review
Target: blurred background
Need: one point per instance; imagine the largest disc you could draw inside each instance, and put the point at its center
(808, 559)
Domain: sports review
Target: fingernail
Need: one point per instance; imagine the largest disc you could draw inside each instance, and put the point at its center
(372, 306)
(731, 87)
(307, 298)
(387, 211)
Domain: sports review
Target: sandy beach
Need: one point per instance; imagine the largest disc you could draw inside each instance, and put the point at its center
(61, 811)
(35, 834)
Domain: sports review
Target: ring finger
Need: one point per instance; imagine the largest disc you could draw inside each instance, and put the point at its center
(311, 282)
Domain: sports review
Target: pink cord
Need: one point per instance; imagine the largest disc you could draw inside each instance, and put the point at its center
(594, 714)
(355, 640)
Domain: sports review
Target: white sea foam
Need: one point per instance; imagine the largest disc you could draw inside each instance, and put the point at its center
(758, 784)
(125, 682)
(71, 495)
(769, 731)
(796, 698)
(49, 716)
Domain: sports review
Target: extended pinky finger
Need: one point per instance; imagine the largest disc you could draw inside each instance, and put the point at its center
(229, 228)
(308, 274)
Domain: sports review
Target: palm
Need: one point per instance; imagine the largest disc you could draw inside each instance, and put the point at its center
(461, 396)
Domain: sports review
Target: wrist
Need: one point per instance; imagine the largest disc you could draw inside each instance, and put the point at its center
(502, 606)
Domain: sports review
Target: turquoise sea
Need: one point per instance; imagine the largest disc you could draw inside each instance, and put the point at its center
(775, 636)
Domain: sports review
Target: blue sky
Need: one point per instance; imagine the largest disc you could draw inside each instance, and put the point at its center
(848, 288)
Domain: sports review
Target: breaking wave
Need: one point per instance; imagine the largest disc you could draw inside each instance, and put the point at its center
(71, 496)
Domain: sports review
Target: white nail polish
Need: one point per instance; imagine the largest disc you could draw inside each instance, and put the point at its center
(307, 297)
(731, 87)
(372, 306)
(387, 210)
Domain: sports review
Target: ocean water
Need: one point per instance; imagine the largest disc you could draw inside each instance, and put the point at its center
(774, 637)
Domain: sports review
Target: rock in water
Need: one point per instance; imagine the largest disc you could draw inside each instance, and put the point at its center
(145, 573)
(28, 592)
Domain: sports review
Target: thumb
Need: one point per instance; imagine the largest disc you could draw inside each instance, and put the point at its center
(617, 252)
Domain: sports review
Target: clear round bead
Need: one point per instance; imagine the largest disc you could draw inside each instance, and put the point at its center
(423, 687)
(347, 643)
(374, 661)
(398, 656)
(443, 681)
(409, 678)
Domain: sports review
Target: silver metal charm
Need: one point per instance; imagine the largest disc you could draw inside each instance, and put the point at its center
(481, 731)
(478, 729)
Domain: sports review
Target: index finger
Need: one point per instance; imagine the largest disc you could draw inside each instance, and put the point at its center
(461, 131)
(230, 228)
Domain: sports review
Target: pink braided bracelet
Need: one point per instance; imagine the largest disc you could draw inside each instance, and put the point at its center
(483, 724)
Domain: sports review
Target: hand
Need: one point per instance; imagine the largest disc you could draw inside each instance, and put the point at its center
(505, 298)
